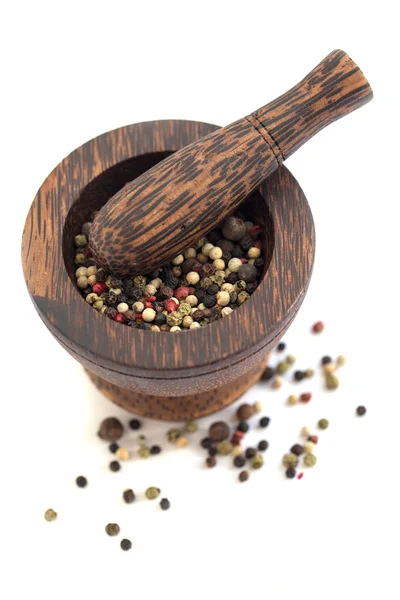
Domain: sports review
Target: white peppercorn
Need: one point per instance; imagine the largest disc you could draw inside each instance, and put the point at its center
(309, 447)
(190, 253)
(305, 431)
(207, 248)
(82, 282)
(149, 290)
(187, 321)
(178, 260)
(92, 270)
(234, 264)
(138, 307)
(215, 253)
(227, 287)
(156, 282)
(226, 311)
(81, 272)
(175, 328)
(223, 298)
(92, 279)
(202, 258)
(192, 278)
(148, 315)
(122, 307)
(195, 325)
(192, 300)
(254, 252)
(155, 328)
(219, 264)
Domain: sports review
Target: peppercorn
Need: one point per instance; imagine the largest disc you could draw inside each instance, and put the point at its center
(165, 504)
(50, 515)
(113, 447)
(298, 375)
(309, 447)
(297, 449)
(290, 460)
(290, 473)
(277, 382)
(264, 422)
(325, 360)
(309, 373)
(243, 427)
(206, 442)
(292, 399)
(247, 272)
(224, 447)
(250, 453)
(268, 374)
(243, 476)
(329, 367)
(341, 360)
(323, 423)
(110, 430)
(313, 439)
(306, 397)
(257, 461)
(263, 445)
(237, 450)
(80, 240)
(281, 346)
(122, 454)
(233, 229)
(81, 481)
(361, 410)
(114, 466)
(305, 431)
(331, 381)
(144, 451)
(218, 431)
(152, 492)
(211, 461)
(244, 412)
(212, 451)
(239, 461)
(112, 529)
(309, 460)
(282, 367)
(318, 327)
(181, 442)
(128, 496)
(126, 544)
(155, 449)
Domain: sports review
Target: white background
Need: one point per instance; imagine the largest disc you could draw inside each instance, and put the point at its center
(72, 70)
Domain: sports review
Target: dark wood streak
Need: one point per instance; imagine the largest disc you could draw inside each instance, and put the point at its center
(170, 365)
(177, 201)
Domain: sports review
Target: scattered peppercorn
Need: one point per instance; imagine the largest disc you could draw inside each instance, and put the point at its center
(245, 412)
(114, 466)
(110, 430)
(122, 454)
(331, 381)
(181, 442)
(318, 327)
(282, 367)
(309, 460)
(264, 421)
(309, 447)
(144, 451)
(290, 359)
(313, 439)
(306, 397)
(290, 460)
(263, 445)
(243, 427)
(292, 399)
(239, 461)
(325, 360)
(281, 346)
(155, 449)
(211, 461)
(309, 373)
(297, 449)
(257, 461)
(135, 424)
(277, 382)
(341, 360)
(298, 375)
(126, 544)
(329, 367)
(268, 374)
(250, 453)
(81, 481)
(152, 492)
(257, 407)
(323, 423)
(212, 451)
(128, 496)
(224, 447)
(243, 476)
(218, 431)
(165, 504)
(173, 435)
(290, 473)
(50, 515)
(112, 529)
(206, 442)
(190, 427)
(361, 410)
(113, 448)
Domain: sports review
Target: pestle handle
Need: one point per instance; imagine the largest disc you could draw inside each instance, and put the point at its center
(177, 201)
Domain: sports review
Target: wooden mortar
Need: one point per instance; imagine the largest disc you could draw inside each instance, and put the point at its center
(164, 376)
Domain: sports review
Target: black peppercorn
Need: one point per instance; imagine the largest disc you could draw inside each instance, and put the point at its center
(81, 481)
(160, 319)
(264, 421)
(198, 315)
(243, 427)
(87, 291)
(213, 289)
(110, 430)
(212, 451)
(122, 298)
(298, 375)
(126, 544)
(281, 346)
(225, 245)
(115, 283)
(361, 410)
(226, 257)
(246, 242)
(128, 496)
(232, 278)
(209, 300)
(206, 442)
(247, 272)
(213, 237)
(170, 279)
(114, 466)
(263, 445)
(135, 424)
(326, 360)
(237, 252)
(101, 275)
(243, 476)
(211, 461)
(239, 461)
(290, 472)
(136, 294)
(110, 312)
(113, 447)
(259, 263)
(166, 292)
(155, 449)
(165, 504)
(250, 453)
(268, 374)
(297, 449)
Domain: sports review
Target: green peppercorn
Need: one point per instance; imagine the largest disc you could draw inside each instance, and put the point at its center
(290, 359)
(184, 309)
(323, 423)
(190, 427)
(50, 515)
(290, 460)
(173, 435)
(224, 447)
(309, 460)
(152, 492)
(331, 381)
(80, 240)
(282, 367)
(257, 461)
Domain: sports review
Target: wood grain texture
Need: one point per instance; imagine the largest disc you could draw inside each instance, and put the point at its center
(173, 204)
(161, 364)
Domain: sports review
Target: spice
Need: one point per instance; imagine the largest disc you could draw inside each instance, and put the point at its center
(155, 449)
(326, 360)
(211, 461)
(81, 481)
(318, 327)
(309, 373)
(50, 515)
(128, 496)
(112, 529)
(268, 374)
(290, 473)
(243, 476)
(331, 381)
(277, 383)
(152, 492)
(239, 461)
(212, 451)
(290, 460)
(297, 449)
(144, 451)
(306, 397)
(309, 460)
(250, 453)
(126, 544)
(292, 399)
(110, 430)
(257, 461)
(218, 431)
(181, 442)
(281, 346)
(329, 367)
(114, 466)
(243, 427)
(305, 431)
(165, 504)
(313, 439)
(122, 454)
(237, 450)
(290, 359)
(173, 435)
(341, 360)
(309, 447)
(282, 367)
(361, 410)
(264, 422)
(206, 442)
(298, 375)
(262, 445)
(257, 406)
(323, 423)
(224, 447)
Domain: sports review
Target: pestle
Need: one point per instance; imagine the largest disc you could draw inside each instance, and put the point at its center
(180, 199)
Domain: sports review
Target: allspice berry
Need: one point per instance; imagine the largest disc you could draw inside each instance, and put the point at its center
(110, 430)
(245, 412)
(233, 229)
(112, 529)
(219, 431)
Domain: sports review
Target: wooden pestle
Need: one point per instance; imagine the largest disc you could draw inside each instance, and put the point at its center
(184, 196)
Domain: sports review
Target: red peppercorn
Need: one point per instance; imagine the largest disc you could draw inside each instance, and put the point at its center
(98, 288)
(118, 317)
(138, 317)
(313, 439)
(152, 298)
(181, 293)
(170, 305)
(300, 476)
(237, 437)
(318, 327)
(147, 304)
(255, 231)
(244, 260)
(306, 397)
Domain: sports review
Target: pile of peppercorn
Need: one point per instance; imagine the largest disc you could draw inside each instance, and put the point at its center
(202, 284)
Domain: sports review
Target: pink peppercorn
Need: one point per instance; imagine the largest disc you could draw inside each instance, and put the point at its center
(255, 231)
(147, 304)
(138, 317)
(181, 293)
(313, 439)
(152, 298)
(170, 305)
(306, 397)
(300, 476)
(118, 317)
(318, 327)
(98, 288)
(244, 260)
